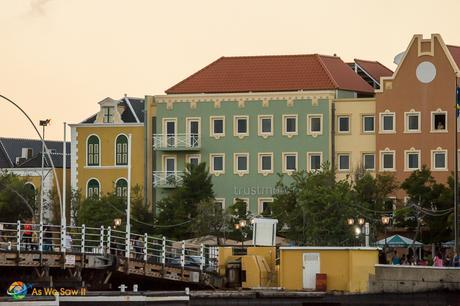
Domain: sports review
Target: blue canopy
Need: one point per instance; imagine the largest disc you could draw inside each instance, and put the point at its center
(398, 241)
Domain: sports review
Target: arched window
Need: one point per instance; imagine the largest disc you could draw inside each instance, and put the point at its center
(121, 188)
(30, 191)
(93, 151)
(121, 150)
(93, 189)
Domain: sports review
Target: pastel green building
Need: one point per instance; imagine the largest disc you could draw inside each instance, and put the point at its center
(249, 119)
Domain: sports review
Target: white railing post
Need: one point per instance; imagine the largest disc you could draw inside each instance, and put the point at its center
(163, 251)
(40, 238)
(83, 234)
(101, 240)
(63, 239)
(182, 258)
(146, 240)
(109, 239)
(18, 236)
(202, 259)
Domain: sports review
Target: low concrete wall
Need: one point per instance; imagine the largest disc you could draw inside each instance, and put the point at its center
(408, 279)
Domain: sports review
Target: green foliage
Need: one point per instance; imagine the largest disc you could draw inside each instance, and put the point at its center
(17, 200)
(210, 219)
(180, 208)
(94, 212)
(237, 212)
(314, 208)
(426, 197)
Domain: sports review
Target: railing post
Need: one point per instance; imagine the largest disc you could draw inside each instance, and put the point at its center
(18, 236)
(182, 258)
(101, 240)
(127, 245)
(202, 259)
(83, 233)
(40, 238)
(63, 239)
(146, 246)
(163, 251)
(109, 239)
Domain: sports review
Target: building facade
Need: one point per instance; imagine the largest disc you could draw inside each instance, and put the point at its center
(100, 153)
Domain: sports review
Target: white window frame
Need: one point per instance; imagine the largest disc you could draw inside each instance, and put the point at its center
(284, 155)
(406, 122)
(235, 163)
(290, 134)
(220, 200)
(99, 164)
(309, 131)
(211, 126)
(259, 163)
(384, 114)
(438, 112)
(259, 125)
(349, 161)
(260, 202)
(211, 163)
(406, 159)
(433, 160)
(363, 159)
(363, 130)
(100, 186)
(246, 200)
(309, 155)
(384, 152)
(188, 157)
(235, 126)
(338, 123)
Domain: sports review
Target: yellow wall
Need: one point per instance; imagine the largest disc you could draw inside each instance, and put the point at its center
(108, 172)
(346, 269)
(355, 143)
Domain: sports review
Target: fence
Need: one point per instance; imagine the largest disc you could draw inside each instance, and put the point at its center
(44, 238)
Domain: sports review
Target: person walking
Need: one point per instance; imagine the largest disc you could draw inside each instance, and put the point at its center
(395, 259)
(27, 235)
(437, 260)
(456, 260)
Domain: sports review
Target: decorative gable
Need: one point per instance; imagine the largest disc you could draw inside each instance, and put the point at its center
(110, 111)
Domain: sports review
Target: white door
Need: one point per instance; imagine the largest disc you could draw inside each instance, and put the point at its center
(310, 268)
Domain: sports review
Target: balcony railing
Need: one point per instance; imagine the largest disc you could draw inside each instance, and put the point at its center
(167, 179)
(177, 142)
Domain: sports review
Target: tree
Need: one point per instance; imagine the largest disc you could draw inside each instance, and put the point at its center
(237, 212)
(372, 197)
(211, 219)
(94, 211)
(426, 197)
(17, 200)
(314, 207)
(178, 210)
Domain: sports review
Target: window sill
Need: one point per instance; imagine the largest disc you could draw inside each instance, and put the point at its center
(387, 132)
(241, 136)
(218, 173)
(265, 136)
(265, 173)
(241, 173)
(217, 136)
(314, 134)
(388, 170)
(439, 131)
(439, 169)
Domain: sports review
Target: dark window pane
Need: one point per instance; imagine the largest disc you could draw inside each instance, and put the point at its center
(315, 124)
(388, 161)
(344, 162)
(291, 162)
(368, 124)
(439, 160)
(266, 125)
(315, 162)
(344, 124)
(387, 123)
(369, 161)
(242, 125)
(242, 163)
(290, 125)
(413, 160)
(218, 163)
(413, 122)
(266, 163)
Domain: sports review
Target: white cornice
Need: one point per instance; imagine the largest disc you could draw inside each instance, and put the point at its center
(106, 125)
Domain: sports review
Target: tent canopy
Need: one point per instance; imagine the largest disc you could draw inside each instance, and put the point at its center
(398, 241)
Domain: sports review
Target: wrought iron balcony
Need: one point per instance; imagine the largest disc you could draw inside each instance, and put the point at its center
(167, 179)
(177, 142)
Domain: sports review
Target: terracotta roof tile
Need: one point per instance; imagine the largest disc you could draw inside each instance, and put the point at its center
(374, 69)
(272, 73)
(455, 52)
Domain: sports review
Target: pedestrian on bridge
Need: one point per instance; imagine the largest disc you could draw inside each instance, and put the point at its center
(27, 235)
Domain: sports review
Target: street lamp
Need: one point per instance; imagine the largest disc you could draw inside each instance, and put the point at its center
(350, 221)
(361, 221)
(241, 225)
(43, 124)
(116, 222)
(385, 222)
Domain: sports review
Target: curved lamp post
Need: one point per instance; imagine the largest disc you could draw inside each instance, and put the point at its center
(44, 145)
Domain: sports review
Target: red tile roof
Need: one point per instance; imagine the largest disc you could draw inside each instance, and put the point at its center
(455, 52)
(374, 69)
(272, 73)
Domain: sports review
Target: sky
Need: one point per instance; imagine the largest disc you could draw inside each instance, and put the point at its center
(58, 58)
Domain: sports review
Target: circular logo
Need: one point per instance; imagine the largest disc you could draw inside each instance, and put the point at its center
(18, 290)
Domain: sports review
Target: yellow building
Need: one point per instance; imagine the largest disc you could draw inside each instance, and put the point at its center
(354, 135)
(99, 148)
(347, 268)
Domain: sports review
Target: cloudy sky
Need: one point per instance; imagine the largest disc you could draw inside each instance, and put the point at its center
(58, 58)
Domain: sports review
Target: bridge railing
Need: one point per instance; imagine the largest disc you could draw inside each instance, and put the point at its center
(22, 237)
